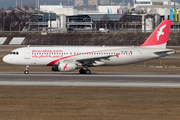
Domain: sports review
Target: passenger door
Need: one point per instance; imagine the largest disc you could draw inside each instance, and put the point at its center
(27, 54)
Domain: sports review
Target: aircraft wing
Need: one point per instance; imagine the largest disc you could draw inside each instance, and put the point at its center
(93, 60)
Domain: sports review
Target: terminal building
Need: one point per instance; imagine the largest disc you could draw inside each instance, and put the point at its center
(145, 16)
(159, 8)
(113, 22)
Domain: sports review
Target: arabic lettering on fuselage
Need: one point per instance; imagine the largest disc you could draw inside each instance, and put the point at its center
(47, 56)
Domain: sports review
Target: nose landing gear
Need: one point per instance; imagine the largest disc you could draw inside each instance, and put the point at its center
(26, 70)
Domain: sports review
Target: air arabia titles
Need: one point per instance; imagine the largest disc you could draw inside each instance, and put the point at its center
(47, 53)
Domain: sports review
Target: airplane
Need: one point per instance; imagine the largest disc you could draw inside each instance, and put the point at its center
(68, 58)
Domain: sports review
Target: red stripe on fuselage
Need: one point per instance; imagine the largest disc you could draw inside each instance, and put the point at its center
(55, 61)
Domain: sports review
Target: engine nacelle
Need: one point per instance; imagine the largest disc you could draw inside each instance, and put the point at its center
(65, 66)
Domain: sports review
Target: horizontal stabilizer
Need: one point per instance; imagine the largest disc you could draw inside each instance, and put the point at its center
(165, 52)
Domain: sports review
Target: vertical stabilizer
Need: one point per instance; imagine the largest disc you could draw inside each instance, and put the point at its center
(160, 36)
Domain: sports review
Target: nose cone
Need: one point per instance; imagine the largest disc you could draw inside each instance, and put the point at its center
(5, 59)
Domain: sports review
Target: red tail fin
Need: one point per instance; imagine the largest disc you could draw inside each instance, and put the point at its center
(160, 35)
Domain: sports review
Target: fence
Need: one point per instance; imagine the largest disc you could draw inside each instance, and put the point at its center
(94, 42)
(89, 31)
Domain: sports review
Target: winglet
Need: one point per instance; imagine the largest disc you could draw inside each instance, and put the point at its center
(160, 36)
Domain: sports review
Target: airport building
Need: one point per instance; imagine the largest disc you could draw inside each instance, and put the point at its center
(113, 17)
(78, 2)
(159, 8)
(104, 2)
(153, 2)
(92, 2)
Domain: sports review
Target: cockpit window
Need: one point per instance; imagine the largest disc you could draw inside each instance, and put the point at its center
(14, 53)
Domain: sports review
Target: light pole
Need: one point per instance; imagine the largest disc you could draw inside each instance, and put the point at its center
(3, 21)
(21, 4)
(10, 27)
(38, 4)
(16, 4)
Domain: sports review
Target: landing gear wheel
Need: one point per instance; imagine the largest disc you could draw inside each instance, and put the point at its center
(82, 71)
(26, 72)
(88, 71)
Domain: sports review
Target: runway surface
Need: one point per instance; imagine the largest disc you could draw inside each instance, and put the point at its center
(98, 79)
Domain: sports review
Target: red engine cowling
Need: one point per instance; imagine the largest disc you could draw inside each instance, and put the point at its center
(64, 66)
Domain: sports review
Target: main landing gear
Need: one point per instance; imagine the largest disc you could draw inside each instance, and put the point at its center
(82, 71)
(26, 70)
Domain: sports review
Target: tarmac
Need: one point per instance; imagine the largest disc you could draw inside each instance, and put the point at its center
(97, 79)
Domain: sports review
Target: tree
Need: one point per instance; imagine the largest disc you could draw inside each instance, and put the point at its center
(26, 7)
(2, 9)
(152, 18)
(10, 8)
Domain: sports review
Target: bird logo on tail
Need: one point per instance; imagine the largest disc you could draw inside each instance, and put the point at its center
(160, 32)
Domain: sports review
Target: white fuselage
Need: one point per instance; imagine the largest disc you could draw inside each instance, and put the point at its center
(48, 56)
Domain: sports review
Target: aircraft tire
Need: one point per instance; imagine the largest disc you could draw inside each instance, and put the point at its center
(88, 71)
(82, 71)
(26, 72)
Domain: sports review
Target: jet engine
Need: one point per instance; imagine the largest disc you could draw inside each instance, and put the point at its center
(65, 66)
